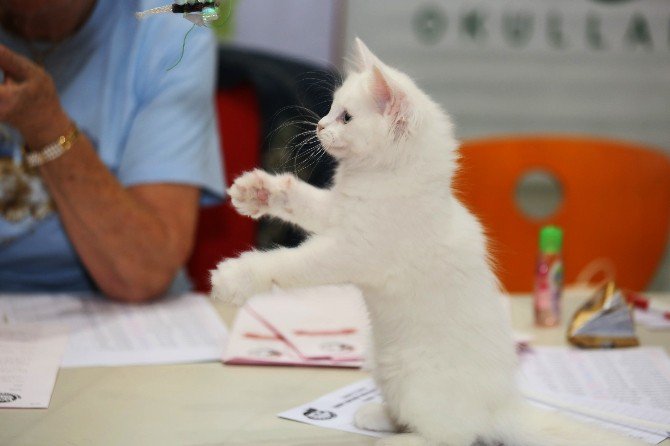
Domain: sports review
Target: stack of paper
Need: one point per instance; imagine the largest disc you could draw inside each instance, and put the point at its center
(322, 326)
(176, 329)
(626, 387)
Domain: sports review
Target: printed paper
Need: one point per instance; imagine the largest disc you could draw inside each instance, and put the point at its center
(177, 329)
(30, 356)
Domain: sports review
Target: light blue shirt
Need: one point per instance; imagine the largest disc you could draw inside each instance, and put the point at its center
(148, 125)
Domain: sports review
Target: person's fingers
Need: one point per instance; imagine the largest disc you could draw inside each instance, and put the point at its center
(9, 93)
(14, 65)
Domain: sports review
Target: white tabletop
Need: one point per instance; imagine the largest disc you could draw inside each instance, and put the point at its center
(209, 404)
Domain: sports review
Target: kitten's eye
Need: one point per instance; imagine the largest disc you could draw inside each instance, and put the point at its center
(346, 117)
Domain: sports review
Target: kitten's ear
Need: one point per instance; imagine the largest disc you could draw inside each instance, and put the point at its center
(382, 92)
(392, 101)
(364, 59)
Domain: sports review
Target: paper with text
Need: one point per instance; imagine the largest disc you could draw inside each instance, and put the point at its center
(30, 356)
(176, 329)
(629, 386)
(336, 410)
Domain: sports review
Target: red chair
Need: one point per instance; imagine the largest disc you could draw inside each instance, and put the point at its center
(221, 232)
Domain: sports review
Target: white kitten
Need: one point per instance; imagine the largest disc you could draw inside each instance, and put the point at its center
(444, 355)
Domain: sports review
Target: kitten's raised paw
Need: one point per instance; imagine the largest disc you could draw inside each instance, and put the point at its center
(255, 193)
(374, 417)
(232, 282)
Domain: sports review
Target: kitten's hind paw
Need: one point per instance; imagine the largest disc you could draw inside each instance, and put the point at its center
(255, 193)
(374, 417)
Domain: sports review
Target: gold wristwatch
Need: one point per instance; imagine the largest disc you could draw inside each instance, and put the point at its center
(52, 151)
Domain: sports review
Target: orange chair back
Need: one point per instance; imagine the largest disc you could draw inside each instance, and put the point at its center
(615, 204)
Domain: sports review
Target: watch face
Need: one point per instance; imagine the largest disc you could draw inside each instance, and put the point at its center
(315, 414)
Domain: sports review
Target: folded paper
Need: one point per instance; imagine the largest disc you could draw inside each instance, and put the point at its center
(321, 326)
(604, 321)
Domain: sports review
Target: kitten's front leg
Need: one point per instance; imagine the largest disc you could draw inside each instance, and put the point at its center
(315, 262)
(258, 193)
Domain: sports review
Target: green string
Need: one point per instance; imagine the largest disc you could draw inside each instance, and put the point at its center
(183, 47)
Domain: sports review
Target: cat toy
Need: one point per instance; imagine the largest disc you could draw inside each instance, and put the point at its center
(198, 12)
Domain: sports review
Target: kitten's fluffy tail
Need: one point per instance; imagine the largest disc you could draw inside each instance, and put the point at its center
(529, 426)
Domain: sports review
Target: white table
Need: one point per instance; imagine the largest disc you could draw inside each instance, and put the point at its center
(208, 404)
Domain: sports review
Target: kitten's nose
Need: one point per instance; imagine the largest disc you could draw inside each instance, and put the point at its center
(319, 127)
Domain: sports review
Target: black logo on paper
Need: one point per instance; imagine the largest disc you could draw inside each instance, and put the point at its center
(319, 415)
(8, 397)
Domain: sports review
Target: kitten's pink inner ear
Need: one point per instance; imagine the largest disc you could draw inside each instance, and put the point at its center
(381, 90)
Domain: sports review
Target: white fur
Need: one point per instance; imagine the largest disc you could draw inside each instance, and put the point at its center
(444, 355)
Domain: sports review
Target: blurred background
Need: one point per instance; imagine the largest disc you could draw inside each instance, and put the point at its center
(586, 68)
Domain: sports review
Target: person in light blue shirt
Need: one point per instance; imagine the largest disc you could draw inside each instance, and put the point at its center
(118, 150)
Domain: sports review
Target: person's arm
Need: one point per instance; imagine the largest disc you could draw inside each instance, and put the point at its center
(132, 241)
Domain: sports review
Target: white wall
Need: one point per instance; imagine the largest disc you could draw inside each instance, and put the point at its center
(299, 28)
(492, 85)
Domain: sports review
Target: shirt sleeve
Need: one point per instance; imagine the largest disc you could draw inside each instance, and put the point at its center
(173, 137)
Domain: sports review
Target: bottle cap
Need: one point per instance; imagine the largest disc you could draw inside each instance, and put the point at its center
(551, 239)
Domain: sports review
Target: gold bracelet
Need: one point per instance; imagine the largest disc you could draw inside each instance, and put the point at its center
(53, 150)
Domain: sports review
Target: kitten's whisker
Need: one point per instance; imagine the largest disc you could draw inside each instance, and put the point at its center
(330, 78)
(305, 154)
(295, 148)
(320, 86)
(300, 136)
(295, 123)
(314, 154)
(300, 125)
(295, 151)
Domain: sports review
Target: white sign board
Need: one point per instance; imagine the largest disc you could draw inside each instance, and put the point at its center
(600, 67)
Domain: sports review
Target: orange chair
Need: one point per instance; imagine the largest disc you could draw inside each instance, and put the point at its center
(615, 204)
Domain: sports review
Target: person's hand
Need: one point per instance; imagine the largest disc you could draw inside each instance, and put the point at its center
(29, 101)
